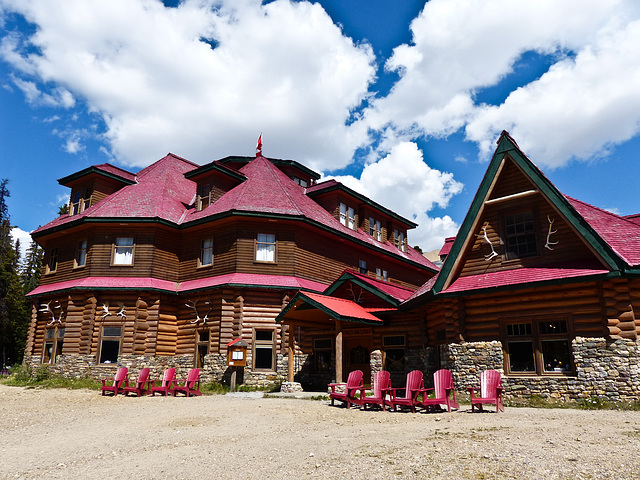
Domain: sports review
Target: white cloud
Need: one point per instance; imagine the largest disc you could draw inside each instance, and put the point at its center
(25, 240)
(578, 108)
(403, 182)
(283, 69)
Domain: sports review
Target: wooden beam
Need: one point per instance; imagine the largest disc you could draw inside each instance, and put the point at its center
(338, 352)
(506, 198)
(291, 352)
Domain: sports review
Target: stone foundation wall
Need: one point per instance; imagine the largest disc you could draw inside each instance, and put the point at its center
(603, 368)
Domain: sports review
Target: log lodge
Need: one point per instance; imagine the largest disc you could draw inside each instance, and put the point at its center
(170, 265)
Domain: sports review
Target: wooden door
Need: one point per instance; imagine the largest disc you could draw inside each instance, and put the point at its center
(357, 355)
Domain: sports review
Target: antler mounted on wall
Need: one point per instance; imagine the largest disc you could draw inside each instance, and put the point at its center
(549, 233)
(357, 299)
(193, 305)
(493, 253)
(46, 307)
(105, 310)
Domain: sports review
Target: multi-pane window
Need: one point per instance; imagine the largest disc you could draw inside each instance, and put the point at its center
(375, 229)
(362, 267)
(399, 239)
(123, 251)
(81, 254)
(206, 252)
(204, 196)
(394, 346)
(347, 216)
(266, 247)
(53, 342)
(301, 182)
(264, 349)
(52, 266)
(541, 346)
(322, 352)
(80, 201)
(520, 235)
(110, 344)
(382, 274)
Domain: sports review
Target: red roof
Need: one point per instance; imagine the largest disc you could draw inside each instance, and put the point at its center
(446, 248)
(342, 307)
(622, 234)
(276, 281)
(113, 170)
(396, 291)
(519, 276)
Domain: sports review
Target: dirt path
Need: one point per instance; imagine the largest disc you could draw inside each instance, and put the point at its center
(79, 434)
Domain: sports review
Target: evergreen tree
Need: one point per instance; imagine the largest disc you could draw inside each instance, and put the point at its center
(32, 267)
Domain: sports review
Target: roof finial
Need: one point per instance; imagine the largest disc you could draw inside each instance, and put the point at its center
(259, 147)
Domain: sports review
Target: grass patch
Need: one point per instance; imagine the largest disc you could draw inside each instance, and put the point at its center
(41, 377)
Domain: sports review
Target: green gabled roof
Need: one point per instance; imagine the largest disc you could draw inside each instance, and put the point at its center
(275, 161)
(112, 172)
(365, 285)
(215, 167)
(508, 147)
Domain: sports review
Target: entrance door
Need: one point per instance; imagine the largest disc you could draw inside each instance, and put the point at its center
(357, 352)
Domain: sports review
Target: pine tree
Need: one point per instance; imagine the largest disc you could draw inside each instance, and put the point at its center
(32, 267)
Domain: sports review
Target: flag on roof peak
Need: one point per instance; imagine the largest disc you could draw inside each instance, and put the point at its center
(259, 147)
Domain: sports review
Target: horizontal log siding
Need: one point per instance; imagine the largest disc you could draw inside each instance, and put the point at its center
(224, 251)
(165, 254)
(580, 303)
(285, 248)
(569, 247)
(511, 181)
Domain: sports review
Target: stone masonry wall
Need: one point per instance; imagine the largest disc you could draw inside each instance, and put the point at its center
(604, 368)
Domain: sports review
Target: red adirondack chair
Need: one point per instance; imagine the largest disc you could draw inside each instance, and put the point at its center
(415, 383)
(191, 384)
(443, 389)
(168, 379)
(120, 377)
(490, 391)
(354, 383)
(381, 387)
(141, 383)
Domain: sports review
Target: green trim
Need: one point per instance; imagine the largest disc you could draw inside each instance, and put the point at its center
(506, 145)
(214, 166)
(93, 169)
(301, 296)
(361, 198)
(275, 161)
(348, 277)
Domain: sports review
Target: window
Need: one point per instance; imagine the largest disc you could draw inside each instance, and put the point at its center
(53, 342)
(322, 352)
(520, 235)
(52, 266)
(123, 251)
(263, 349)
(204, 196)
(394, 346)
(206, 252)
(539, 347)
(398, 240)
(202, 347)
(301, 182)
(362, 267)
(375, 229)
(110, 344)
(266, 247)
(80, 201)
(81, 254)
(382, 274)
(347, 216)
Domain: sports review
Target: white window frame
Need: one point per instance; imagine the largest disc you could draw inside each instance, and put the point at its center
(123, 250)
(265, 251)
(206, 252)
(80, 259)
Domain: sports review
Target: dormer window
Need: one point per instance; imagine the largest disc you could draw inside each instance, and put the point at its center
(399, 240)
(204, 196)
(300, 181)
(80, 200)
(347, 216)
(375, 229)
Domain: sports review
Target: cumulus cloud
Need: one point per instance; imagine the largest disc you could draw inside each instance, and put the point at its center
(25, 240)
(587, 100)
(403, 182)
(202, 80)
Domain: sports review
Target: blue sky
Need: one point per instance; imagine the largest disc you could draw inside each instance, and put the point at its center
(402, 101)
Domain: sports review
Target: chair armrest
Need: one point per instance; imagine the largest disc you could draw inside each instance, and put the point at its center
(334, 385)
(499, 390)
(104, 383)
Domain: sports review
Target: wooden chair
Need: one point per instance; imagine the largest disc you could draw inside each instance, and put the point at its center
(490, 391)
(443, 389)
(415, 383)
(141, 383)
(191, 384)
(118, 380)
(354, 383)
(168, 380)
(381, 387)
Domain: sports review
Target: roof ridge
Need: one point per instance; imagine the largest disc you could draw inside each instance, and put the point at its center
(602, 210)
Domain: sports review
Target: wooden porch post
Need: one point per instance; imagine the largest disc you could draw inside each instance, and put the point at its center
(290, 353)
(338, 352)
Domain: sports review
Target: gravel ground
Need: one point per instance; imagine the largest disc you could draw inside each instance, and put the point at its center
(79, 434)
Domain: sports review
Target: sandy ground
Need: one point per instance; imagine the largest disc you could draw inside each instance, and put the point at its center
(79, 434)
